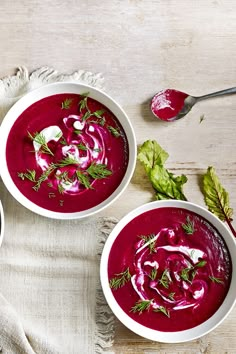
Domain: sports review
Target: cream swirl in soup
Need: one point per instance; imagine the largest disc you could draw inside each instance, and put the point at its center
(169, 269)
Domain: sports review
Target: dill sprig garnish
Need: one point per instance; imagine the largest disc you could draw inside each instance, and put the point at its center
(82, 147)
(188, 226)
(216, 280)
(66, 104)
(153, 274)
(141, 305)
(120, 279)
(188, 273)
(44, 176)
(164, 280)
(113, 131)
(83, 179)
(78, 132)
(98, 171)
(163, 310)
(66, 162)
(63, 141)
(60, 188)
(40, 139)
(30, 175)
(171, 296)
(150, 240)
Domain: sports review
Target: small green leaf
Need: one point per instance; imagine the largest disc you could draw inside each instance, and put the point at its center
(215, 196)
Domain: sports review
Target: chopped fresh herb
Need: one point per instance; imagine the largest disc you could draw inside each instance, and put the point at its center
(164, 280)
(163, 310)
(150, 240)
(83, 179)
(86, 116)
(102, 121)
(185, 274)
(58, 135)
(171, 296)
(142, 305)
(60, 188)
(153, 273)
(99, 113)
(67, 161)
(201, 264)
(82, 147)
(188, 273)
(78, 132)
(63, 141)
(216, 280)
(83, 102)
(188, 227)
(202, 117)
(44, 176)
(114, 131)
(30, 175)
(66, 104)
(97, 149)
(50, 185)
(98, 171)
(120, 279)
(40, 139)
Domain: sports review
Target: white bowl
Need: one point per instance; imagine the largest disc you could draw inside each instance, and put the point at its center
(54, 89)
(2, 223)
(178, 336)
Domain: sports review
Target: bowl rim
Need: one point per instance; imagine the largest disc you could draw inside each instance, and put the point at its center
(2, 226)
(53, 89)
(178, 336)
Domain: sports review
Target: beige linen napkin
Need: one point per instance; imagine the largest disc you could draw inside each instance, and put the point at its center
(51, 298)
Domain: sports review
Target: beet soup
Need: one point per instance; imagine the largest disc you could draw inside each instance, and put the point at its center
(169, 269)
(67, 153)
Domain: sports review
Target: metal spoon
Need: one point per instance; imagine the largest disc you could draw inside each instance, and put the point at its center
(190, 101)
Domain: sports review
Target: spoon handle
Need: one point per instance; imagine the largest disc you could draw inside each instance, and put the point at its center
(218, 93)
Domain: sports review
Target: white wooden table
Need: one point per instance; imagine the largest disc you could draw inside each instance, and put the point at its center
(142, 47)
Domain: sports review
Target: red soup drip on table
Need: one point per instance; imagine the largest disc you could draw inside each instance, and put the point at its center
(67, 153)
(169, 269)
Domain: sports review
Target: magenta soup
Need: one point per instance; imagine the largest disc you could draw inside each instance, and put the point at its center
(67, 153)
(169, 269)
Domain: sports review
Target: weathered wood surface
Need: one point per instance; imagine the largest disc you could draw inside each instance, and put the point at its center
(142, 47)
